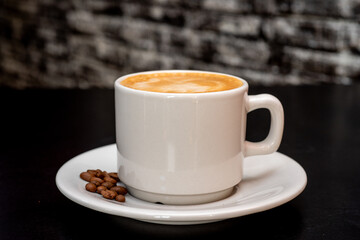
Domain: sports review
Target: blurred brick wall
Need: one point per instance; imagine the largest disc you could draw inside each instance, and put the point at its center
(81, 44)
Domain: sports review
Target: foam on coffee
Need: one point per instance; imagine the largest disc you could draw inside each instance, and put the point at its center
(181, 82)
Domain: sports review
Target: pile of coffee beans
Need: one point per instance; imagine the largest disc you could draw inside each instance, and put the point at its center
(104, 183)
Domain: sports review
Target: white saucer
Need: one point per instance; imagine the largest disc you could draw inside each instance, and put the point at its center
(269, 181)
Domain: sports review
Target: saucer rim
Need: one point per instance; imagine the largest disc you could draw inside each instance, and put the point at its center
(176, 215)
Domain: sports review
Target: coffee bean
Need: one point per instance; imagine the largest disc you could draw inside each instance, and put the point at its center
(104, 183)
(109, 194)
(108, 184)
(119, 189)
(105, 174)
(99, 173)
(110, 179)
(99, 189)
(92, 171)
(86, 176)
(120, 198)
(90, 187)
(114, 175)
(97, 181)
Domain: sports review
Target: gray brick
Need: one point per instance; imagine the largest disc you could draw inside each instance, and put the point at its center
(308, 32)
(138, 33)
(353, 36)
(242, 53)
(337, 8)
(82, 21)
(201, 21)
(240, 25)
(228, 5)
(340, 64)
(56, 49)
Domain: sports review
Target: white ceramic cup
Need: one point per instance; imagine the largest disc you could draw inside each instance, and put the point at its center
(188, 148)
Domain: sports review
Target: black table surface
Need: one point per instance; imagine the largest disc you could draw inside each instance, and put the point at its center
(42, 129)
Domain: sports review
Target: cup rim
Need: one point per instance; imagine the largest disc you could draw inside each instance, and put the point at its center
(117, 84)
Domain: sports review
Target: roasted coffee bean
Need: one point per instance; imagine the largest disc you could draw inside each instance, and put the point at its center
(104, 183)
(86, 176)
(109, 194)
(96, 172)
(115, 176)
(120, 198)
(90, 187)
(108, 184)
(92, 171)
(119, 189)
(99, 189)
(97, 181)
(105, 174)
(99, 173)
(110, 179)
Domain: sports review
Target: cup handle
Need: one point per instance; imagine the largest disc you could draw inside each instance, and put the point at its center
(272, 142)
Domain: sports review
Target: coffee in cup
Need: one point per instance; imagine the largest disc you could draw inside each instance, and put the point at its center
(181, 82)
